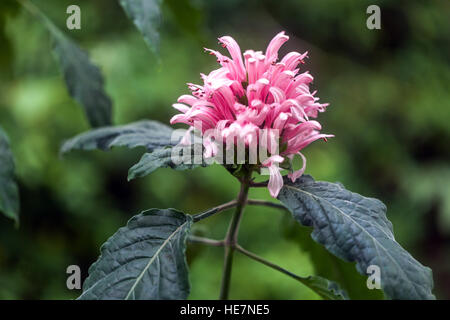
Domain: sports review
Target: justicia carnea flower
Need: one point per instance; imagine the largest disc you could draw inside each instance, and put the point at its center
(251, 93)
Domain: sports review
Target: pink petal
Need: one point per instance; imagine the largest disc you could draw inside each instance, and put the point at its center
(181, 107)
(235, 52)
(297, 174)
(275, 180)
(273, 47)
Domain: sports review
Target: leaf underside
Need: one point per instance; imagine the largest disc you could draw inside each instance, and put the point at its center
(355, 228)
(9, 193)
(144, 260)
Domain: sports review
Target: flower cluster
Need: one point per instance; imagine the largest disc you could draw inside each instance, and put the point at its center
(250, 93)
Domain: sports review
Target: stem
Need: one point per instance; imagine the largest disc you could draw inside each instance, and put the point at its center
(230, 240)
(258, 202)
(211, 242)
(215, 210)
(273, 266)
(304, 280)
(259, 184)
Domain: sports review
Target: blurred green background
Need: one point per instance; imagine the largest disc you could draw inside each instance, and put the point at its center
(389, 109)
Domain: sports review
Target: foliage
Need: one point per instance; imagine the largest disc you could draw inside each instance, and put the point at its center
(152, 245)
(355, 228)
(390, 123)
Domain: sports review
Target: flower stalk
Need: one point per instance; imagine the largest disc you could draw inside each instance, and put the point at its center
(230, 241)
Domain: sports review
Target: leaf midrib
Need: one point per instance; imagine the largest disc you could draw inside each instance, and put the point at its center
(146, 267)
(152, 259)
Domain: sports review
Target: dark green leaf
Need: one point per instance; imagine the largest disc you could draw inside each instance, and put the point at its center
(83, 79)
(149, 134)
(160, 141)
(146, 16)
(162, 158)
(144, 260)
(355, 228)
(9, 194)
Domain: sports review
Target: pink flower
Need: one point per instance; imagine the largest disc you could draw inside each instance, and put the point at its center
(251, 94)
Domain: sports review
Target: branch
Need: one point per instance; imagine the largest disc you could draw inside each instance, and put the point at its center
(258, 202)
(255, 257)
(207, 241)
(267, 263)
(213, 211)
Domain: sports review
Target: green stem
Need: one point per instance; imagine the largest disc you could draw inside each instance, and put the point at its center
(215, 210)
(277, 267)
(267, 263)
(230, 240)
(258, 202)
(207, 241)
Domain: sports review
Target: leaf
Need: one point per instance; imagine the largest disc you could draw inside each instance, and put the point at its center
(83, 79)
(329, 266)
(325, 288)
(161, 142)
(146, 16)
(161, 158)
(355, 228)
(9, 193)
(149, 134)
(144, 260)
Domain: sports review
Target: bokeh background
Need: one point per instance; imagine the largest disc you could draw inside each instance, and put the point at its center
(389, 109)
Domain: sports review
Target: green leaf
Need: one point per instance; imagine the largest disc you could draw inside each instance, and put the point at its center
(355, 228)
(146, 16)
(144, 260)
(160, 141)
(83, 79)
(161, 158)
(149, 134)
(9, 193)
